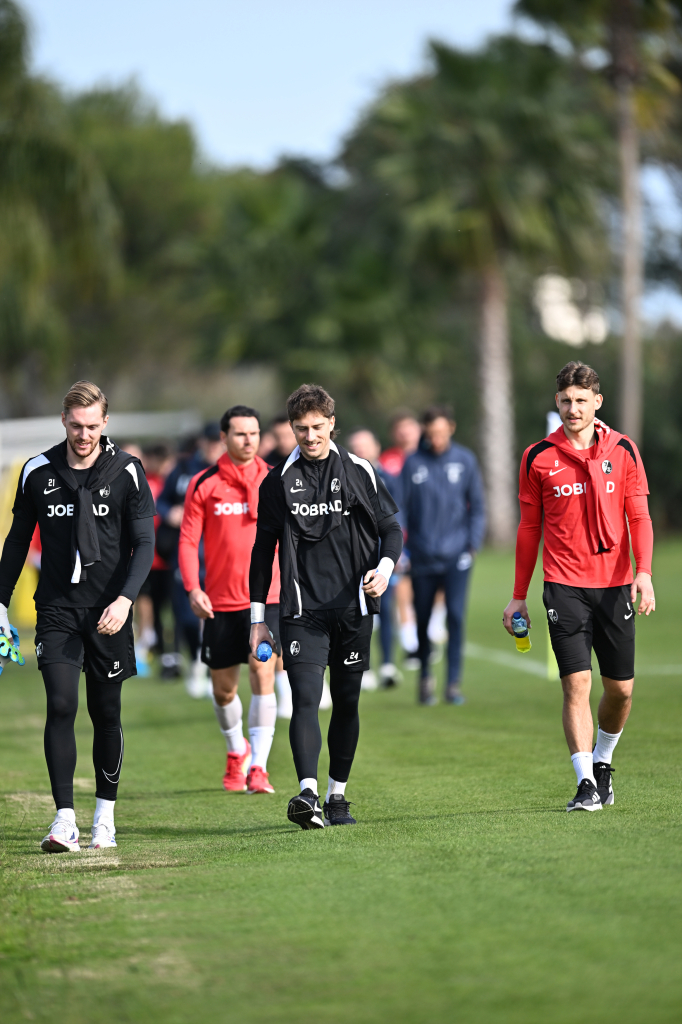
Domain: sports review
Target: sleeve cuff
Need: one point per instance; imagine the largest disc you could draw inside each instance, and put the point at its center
(386, 567)
(257, 612)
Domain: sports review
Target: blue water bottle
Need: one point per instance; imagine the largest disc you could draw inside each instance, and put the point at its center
(264, 651)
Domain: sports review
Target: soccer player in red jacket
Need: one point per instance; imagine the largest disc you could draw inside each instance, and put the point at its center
(221, 504)
(586, 485)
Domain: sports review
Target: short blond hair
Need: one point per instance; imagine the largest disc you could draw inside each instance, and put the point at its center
(83, 394)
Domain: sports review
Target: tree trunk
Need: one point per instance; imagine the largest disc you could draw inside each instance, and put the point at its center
(625, 73)
(499, 468)
(632, 269)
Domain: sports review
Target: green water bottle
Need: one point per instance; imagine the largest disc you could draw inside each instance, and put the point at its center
(520, 627)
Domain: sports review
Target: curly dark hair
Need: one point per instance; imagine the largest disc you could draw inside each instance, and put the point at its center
(310, 398)
(577, 375)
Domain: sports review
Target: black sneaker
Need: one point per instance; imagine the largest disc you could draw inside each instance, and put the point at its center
(602, 773)
(304, 810)
(586, 799)
(336, 811)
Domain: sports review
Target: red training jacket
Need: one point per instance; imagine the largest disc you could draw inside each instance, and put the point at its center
(221, 504)
(558, 481)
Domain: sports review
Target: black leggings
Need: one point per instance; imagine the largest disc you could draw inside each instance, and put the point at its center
(104, 708)
(344, 728)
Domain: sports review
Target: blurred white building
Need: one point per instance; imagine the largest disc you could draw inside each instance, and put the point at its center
(555, 299)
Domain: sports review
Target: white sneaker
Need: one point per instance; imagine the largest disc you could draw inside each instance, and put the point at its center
(62, 838)
(389, 675)
(408, 637)
(369, 680)
(102, 835)
(326, 699)
(437, 629)
(198, 683)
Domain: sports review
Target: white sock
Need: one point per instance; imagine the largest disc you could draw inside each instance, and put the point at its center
(66, 814)
(104, 811)
(335, 787)
(283, 693)
(231, 725)
(605, 745)
(146, 639)
(582, 762)
(308, 784)
(262, 717)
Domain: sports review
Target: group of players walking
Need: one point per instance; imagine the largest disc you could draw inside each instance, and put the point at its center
(299, 555)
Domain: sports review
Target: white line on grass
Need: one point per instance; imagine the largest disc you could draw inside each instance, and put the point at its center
(518, 661)
(524, 664)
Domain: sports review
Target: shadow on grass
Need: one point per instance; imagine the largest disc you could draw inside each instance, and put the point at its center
(20, 838)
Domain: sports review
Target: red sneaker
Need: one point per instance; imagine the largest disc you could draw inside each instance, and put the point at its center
(234, 779)
(258, 781)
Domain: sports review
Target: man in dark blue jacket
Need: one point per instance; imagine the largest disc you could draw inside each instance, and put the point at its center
(443, 512)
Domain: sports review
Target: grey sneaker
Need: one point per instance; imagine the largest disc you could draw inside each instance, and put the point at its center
(427, 691)
(453, 694)
(586, 799)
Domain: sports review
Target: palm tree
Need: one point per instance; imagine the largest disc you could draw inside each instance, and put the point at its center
(637, 35)
(493, 157)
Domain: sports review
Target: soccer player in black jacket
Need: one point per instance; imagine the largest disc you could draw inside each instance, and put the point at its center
(329, 511)
(95, 511)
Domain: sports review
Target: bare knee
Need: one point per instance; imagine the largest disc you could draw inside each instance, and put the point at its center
(618, 691)
(225, 684)
(262, 676)
(576, 687)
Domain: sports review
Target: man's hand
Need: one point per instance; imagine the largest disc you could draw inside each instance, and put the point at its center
(259, 633)
(514, 606)
(374, 584)
(644, 586)
(113, 617)
(4, 621)
(200, 603)
(175, 514)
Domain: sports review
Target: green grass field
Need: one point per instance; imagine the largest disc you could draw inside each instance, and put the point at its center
(465, 893)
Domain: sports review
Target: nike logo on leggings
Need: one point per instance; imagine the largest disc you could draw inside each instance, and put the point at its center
(112, 778)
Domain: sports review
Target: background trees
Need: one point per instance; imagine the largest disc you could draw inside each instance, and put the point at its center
(496, 156)
(640, 37)
(403, 273)
(58, 225)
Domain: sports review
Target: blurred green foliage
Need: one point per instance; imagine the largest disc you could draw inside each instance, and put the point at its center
(120, 246)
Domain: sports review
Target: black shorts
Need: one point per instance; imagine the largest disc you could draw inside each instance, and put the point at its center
(226, 637)
(68, 636)
(583, 618)
(338, 637)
